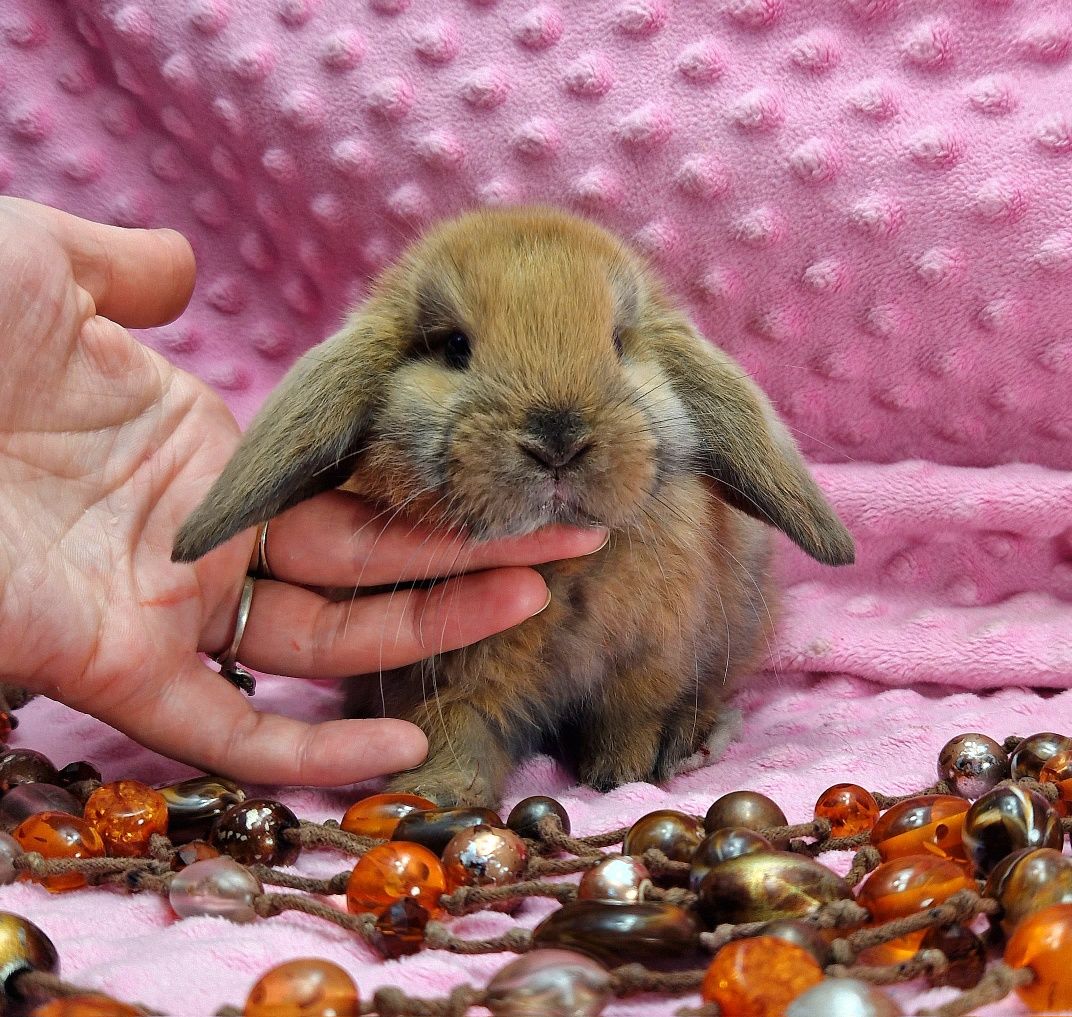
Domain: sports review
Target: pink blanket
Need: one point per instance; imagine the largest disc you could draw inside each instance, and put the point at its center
(866, 201)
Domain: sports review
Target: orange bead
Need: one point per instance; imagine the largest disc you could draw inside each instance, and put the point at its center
(1043, 943)
(903, 887)
(126, 814)
(759, 977)
(88, 1005)
(378, 815)
(391, 872)
(58, 835)
(304, 988)
(1058, 770)
(927, 824)
(850, 808)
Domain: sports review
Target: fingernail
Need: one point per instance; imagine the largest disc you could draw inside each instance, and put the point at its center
(546, 605)
(606, 540)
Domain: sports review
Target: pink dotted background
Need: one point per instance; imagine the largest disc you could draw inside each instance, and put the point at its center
(868, 202)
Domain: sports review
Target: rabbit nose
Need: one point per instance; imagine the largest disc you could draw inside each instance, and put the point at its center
(555, 438)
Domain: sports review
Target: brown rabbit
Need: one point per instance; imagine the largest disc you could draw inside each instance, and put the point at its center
(517, 368)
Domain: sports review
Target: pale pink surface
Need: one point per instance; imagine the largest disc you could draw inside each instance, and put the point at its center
(867, 201)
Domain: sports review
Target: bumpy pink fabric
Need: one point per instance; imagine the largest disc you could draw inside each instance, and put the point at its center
(866, 201)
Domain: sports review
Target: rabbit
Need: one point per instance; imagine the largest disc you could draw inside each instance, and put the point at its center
(519, 367)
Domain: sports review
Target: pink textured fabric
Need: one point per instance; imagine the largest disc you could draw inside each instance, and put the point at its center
(866, 201)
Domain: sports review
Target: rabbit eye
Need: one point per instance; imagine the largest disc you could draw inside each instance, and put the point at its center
(618, 347)
(457, 351)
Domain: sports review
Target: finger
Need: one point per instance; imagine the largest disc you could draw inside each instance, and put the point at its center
(293, 631)
(337, 539)
(233, 740)
(138, 278)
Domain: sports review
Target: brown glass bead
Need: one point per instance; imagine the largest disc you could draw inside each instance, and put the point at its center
(306, 987)
(1028, 881)
(1043, 943)
(58, 835)
(1008, 819)
(23, 947)
(524, 818)
(190, 852)
(749, 809)
(675, 834)
(79, 773)
(391, 872)
(654, 934)
(378, 815)
(1029, 757)
(926, 824)
(400, 929)
(255, 831)
(965, 951)
(86, 1005)
(24, 766)
(126, 814)
(972, 764)
(849, 808)
(619, 879)
(801, 934)
(484, 856)
(768, 885)
(434, 828)
(730, 842)
(27, 800)
(195, 804)
(759, 977)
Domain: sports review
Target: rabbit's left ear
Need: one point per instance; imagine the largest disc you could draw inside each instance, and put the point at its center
(745, 448)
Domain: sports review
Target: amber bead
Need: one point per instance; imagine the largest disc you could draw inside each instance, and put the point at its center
(1058, 770)
(23, 947)
(434, 828)
(255, 831)
(1008, 819)
(759, 977)
(399, 930)
(972, 764)
(1031, 755)
(195, 804)
(58, 835)
(675, 834)
(378, 815)
(849, 808)
(927, 824)
(27, 800)
(190, 852)
(524, 818)
(729, 842)
(25, 766)
(903, 887)
(88, 1005)
(619, 878)
(484, 856)
(126, 814)
(1027, 881)
(303, 988)
(392, 872)
(965, 951)
(767, 885)
(1043, 943)
(749, 809)
(549, 983)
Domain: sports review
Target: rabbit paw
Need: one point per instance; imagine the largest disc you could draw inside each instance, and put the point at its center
(448, 791)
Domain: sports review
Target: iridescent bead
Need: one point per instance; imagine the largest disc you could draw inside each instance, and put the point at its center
(903, 887)
(1029, 757)
(216, 886)
(1027, 881)
(1008, 819)
(303, 988)
(972, 764)
(929, 824)
(549, 983)
(23, 947)
(190, 852)
(195, 804)
(126, 814)
(843, 997)
(749, 809)
(27, 800)
(400, 929)
(621, 879)
(9, 852)
(964, 950)
(730, 842)
(1043, 943)
(25, 766)
(484, 856)
(86, 1005)
(673, 833)
(255, 831)
(524, 818)
(390, 872)
(59, 835)
(759, 976)
(378, 815)
(849, 808)
(434, 828)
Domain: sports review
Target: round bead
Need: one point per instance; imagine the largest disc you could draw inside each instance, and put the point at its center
(965, 951)
(843, 997)
(9, 851)
(730, 842)
(749, 809)
(217, 886)
(524, 818)
(303, 988)
(378, 815)
(619, 879)
(126, 814)
(972, 764)
(484, 856)
(27, 800)
(1030, 756)
(195, 804)
(849, 808)
(59, 835)
(1043, 943)
(87, 1005)
(903, 887)
(434, 828)
(551, 983)
(24, 766)
(79, 773)
(400, 929)
(192, 851)
(1028, 881)
(673, 833)
(803, 935)
(925, 824)
(391, 872)
(759, 976)
(1058, 770)
(23, 947)
(1008, 819)
(255, 831)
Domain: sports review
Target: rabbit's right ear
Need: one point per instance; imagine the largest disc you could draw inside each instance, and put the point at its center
(303, 441)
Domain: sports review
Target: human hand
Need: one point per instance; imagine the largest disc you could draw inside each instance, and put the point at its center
(105, 448)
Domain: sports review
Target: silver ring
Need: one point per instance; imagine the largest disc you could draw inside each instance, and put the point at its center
(263, 569)
(230, 658)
